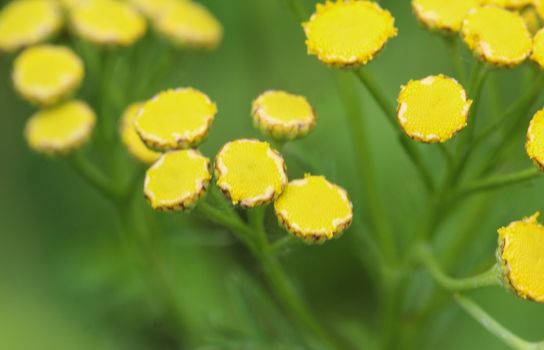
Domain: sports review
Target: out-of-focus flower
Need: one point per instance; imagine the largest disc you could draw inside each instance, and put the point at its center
(250, 172)
(24, 23)
(532, 19)
(175, 119)
(497, 36)
(46, 74)
(60, 129)
(443, 14)
(190, 24)
(314, 209)
(511, 4)
(520, 257)
(283, 115)
(154, 9)
(538, 48)
(108, 22)
(348, 32)
(177, 180)
(535, 139)
(433, 109)
(132, 140)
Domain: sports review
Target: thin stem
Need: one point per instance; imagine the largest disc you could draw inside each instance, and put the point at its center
(454, 49)
(283, 244)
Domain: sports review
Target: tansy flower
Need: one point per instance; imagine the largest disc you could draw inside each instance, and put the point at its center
(45, 74)
(108, 22)
(443, 14)
(520, 252)
(535, 139)
(190, 24)
(538, 49)
(283, 115)
(24, 23)
(250, 172)
(532, 19)
(175, 119)
(348, 32)
(498, 36)
(433, 109)
(132, 140)
(177, 180)
(539, 6)
(60, 129)
(511, 4)
(314, 209)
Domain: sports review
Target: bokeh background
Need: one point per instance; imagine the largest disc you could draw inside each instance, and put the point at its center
(65, 282)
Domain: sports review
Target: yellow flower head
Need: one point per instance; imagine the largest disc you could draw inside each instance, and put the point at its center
(348, 32)
(443, 14)
(175, 119)
(433, 109)
(132, 140)
(538, 49)
(190, 24)
(283, 115)
(532, 19)
(497, 36)
(24, 23)
(250, 172)
(520, 254)
(108, 22)
(510, 4)
(60, 129)
(177, 180)
(46, 74)
(314, 209)
(535, 139)
(539, 7)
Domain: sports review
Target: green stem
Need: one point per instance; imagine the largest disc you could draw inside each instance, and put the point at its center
(454, 50)
(282, 244)
(298, 10)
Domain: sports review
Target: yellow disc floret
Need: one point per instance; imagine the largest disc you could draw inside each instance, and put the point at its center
(520, 253)
(314, 209)
(24, 23)
(283, 115)
(60, 129)
(132, 140)
(535, 139)
(538, 49)
(175, 119)
(177, 180)
(433, 109)
(108, 22)
(348, 32)
(497, 36)
(190, 24)
(45, 74)
(443, 14)
(250, 172)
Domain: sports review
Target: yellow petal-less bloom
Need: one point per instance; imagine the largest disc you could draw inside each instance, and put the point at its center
(348, 32)
(314, 209)
(283, 115)
(535, 139)
(190, 24)
(443, 14)
(132, 140)
(433, 109)
(532, 19)
(60, 129)
(250, 172)
(497, 36)
(108, 22)
(175, 119)
(46, 74)
(520, 255)
(177, 180)
(511, 4)
(25, 23)
(538, 49)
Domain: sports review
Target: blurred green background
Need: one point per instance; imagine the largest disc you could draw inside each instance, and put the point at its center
(65, 282)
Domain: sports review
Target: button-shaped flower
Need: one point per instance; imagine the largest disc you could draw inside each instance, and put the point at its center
(314, 209)
(46, 74)
(250, 172)
(535, 139)
(60, 129)
(520, 252)
(443, 14)
(348, 32)
(433, 109)
(132, 140)
(538, 49)
(24, 23)
(497, 36)
(175, 119)
(177, 180)
(108, 22)
(190, 24)
(283, 115)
